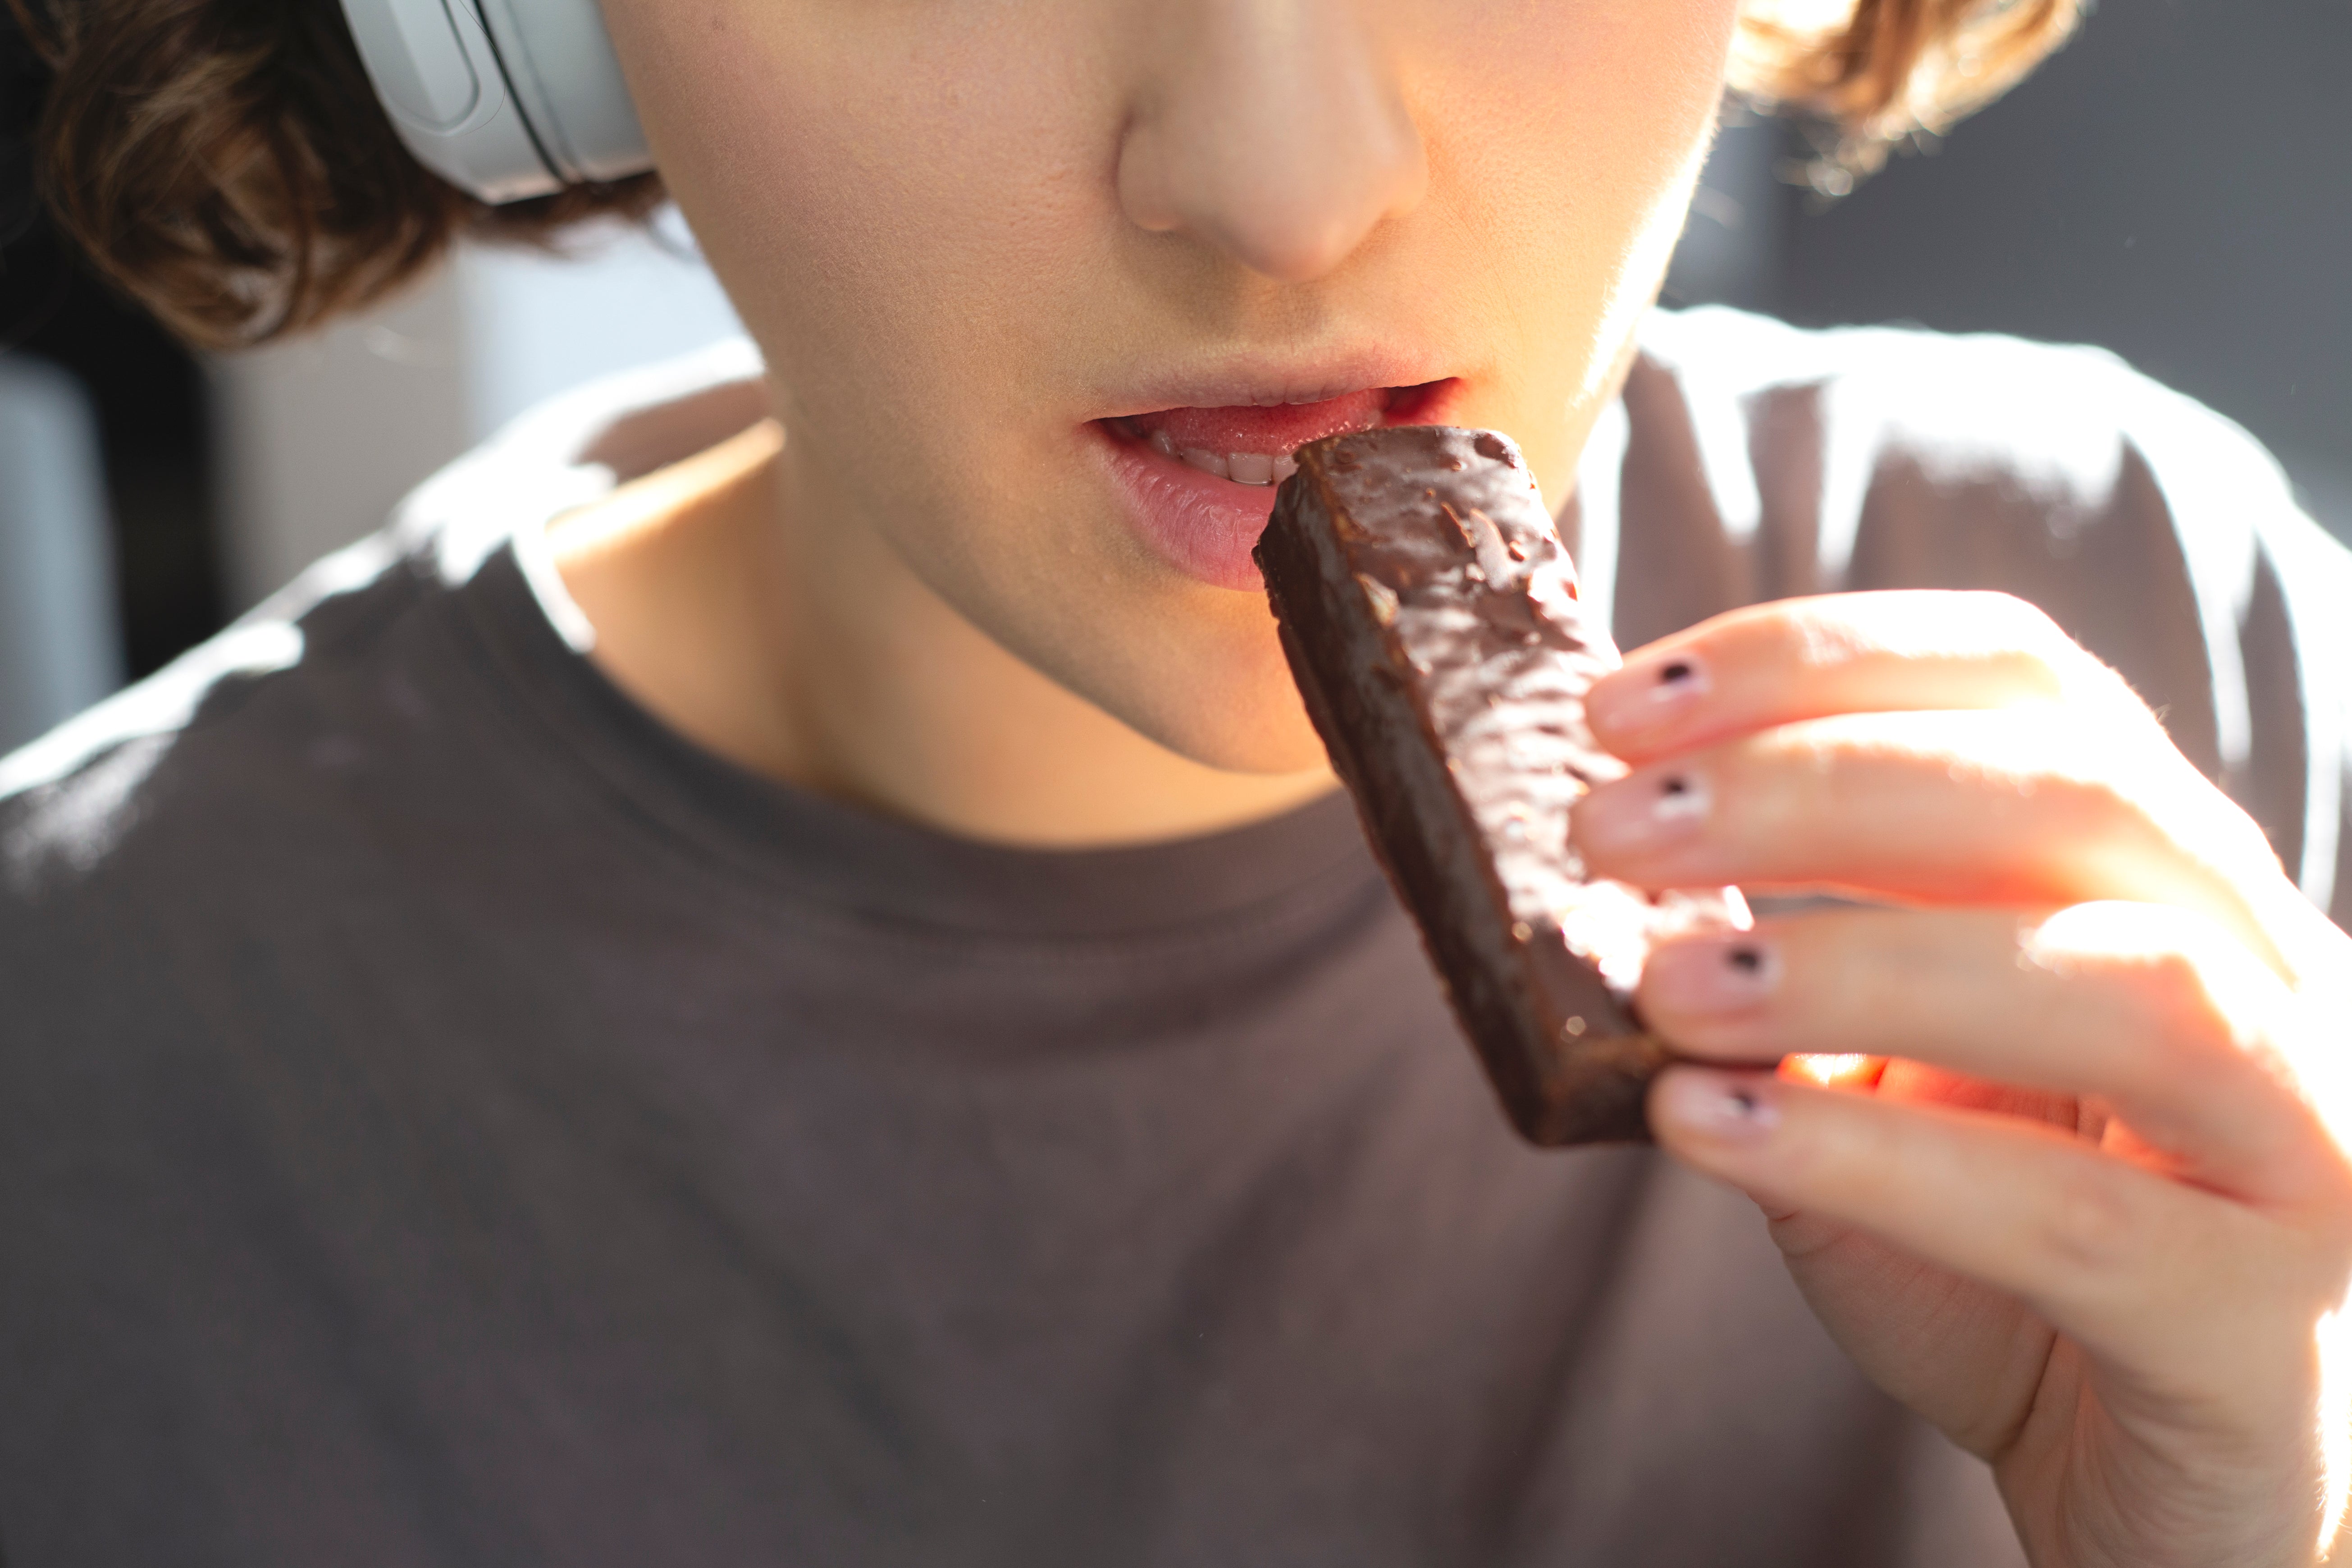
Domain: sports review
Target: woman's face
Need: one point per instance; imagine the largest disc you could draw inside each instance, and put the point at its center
(1049, 288)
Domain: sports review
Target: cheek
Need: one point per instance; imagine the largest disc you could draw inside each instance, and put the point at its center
(1564, 138)
(912, 208)
(1592, 125)
(891, 194)
(1590, 109)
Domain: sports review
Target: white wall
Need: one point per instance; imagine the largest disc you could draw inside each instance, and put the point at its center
(59, 644)
(320, 439)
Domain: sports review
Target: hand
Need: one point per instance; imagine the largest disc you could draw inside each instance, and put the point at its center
(2069, 1171)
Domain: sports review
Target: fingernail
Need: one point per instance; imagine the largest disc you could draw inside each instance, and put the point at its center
(1713, 974)
(1727, 1107)
(1646, 811)
(1678, 681)
(1649, 696)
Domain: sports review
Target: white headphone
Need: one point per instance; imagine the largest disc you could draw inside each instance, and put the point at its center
(505, 98)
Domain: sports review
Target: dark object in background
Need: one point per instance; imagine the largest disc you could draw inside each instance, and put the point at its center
(1431, 620)
(149, 392)
(153, 429)
(22, 78)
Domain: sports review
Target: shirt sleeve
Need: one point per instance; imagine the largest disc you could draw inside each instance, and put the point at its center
(2274, 592)
(1764, 461)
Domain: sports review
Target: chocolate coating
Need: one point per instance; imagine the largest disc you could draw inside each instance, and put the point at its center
(1430, 618)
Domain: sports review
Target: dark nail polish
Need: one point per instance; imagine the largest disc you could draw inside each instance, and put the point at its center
(1636, 813)
(1682, 797)
(1711, 975)
(1724, 1107)
(1659, 697)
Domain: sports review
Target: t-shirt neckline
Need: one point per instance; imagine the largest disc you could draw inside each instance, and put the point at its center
(793, 840)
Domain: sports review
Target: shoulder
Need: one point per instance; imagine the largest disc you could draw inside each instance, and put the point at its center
(147, 805)
(1888, 457)
(2053, 416)
(175, 767)
(247, 739)
(2159, 532)
(1927, 453)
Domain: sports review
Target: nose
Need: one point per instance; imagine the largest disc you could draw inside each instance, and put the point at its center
(1276, 131)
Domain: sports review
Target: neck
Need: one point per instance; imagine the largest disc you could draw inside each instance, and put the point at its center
(815, 657)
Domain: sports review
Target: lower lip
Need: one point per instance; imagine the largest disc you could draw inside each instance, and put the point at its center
(1205, 526)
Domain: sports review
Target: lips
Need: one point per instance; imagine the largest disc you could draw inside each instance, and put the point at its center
(1199, 481)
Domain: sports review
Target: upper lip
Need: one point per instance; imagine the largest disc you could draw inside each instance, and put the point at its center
(1271, 379)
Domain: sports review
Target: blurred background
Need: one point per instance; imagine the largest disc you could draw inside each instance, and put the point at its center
(2175, 187)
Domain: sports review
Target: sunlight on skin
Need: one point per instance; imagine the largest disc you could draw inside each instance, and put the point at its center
(1799, 16)
(654, 501)
(2335, 1423)
(2321, 1072)
(1843, 1070)
(2117, 1117)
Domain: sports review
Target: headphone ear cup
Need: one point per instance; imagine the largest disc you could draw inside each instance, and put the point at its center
(518, 107)
(558, 60)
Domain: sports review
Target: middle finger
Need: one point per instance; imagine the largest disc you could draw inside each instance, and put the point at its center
(2017, 807)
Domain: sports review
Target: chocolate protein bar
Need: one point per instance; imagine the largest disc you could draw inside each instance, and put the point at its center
(1430, 618)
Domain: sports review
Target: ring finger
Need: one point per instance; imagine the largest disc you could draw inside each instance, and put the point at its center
(2014, 807)
(2149, 1008)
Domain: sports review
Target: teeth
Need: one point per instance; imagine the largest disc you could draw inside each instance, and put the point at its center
(1242, 467)
(1207, 462)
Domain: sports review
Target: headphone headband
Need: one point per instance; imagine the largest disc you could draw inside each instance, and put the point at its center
(505, 98)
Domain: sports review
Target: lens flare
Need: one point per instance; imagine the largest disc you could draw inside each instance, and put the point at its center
(1834, 1071)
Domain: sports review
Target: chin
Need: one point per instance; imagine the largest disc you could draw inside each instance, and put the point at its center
(1270, 749)
(1252, 723)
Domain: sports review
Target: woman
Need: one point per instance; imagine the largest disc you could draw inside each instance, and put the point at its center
(818, 1003)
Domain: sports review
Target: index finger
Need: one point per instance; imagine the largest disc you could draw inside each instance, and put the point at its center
(1794, 659)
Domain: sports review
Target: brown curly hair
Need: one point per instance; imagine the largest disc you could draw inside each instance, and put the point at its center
(227, 163)
(1876, 73)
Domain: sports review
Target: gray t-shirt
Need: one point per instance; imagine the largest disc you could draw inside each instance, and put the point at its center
(448, 1119)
